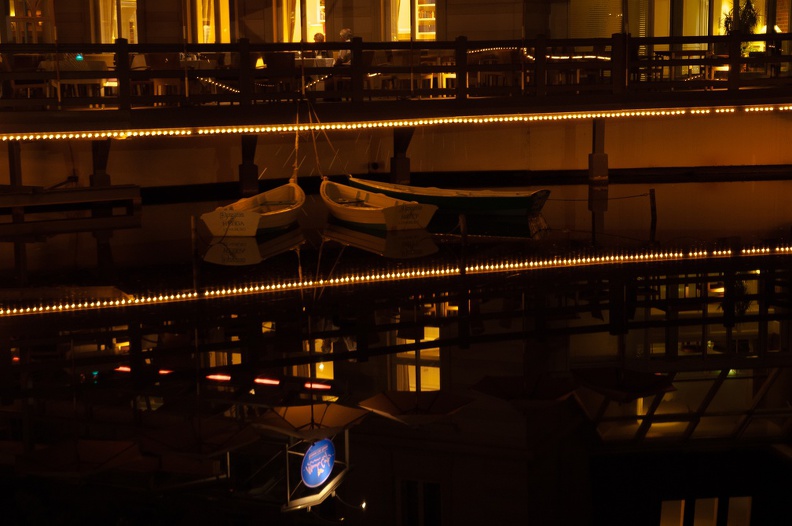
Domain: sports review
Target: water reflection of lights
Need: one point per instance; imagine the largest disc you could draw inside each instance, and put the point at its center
(555, 262)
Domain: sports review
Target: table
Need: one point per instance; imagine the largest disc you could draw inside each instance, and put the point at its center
(74, 85)
(683, 58)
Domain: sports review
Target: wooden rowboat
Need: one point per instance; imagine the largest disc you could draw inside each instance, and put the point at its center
(372, 209)
(270, 210)
(462, 201)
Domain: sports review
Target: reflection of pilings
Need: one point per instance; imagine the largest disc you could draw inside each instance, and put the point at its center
(14, 163)
(400, 163)
(248, 170)
(464, 294)
(598, 180)
(653, 212)
(17, 214)
(100, 152)
(20, 262)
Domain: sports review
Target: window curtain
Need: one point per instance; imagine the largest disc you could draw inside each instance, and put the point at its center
(109, 23)
(594, 18)
(394, 19)
(291, 13)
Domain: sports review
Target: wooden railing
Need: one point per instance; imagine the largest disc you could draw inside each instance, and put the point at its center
(126, 77)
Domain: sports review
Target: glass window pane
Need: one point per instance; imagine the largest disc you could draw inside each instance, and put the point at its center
(739, 511)
(706, 512)
(672, 513)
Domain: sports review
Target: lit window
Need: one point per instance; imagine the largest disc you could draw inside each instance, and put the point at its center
(419, 370)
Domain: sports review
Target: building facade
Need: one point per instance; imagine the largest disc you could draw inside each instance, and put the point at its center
(223, 21)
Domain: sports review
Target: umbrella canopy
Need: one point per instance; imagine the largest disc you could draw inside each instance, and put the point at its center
(624, 385)
(415, 407)
(310, 422)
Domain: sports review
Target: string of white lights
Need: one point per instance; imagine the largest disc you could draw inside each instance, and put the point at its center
(376, 276)
(394, 123)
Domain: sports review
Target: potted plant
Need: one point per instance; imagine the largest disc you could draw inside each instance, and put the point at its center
(749, 19)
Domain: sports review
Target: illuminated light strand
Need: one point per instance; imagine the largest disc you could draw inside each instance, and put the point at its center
(577, 260)
(220, 85)
(754, 251)
(351, 126)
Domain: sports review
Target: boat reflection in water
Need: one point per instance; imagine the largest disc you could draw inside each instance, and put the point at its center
(396, 244)
(240, 251)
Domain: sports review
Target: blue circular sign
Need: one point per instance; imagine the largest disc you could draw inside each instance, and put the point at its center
(318, 463)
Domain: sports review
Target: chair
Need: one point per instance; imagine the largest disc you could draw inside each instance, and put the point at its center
(341, 78)
(165, 62)
(446, 79)
(140, 86)
(281, 71)
(502, 73)
(371, 81)
(15, 86)
(408, 58)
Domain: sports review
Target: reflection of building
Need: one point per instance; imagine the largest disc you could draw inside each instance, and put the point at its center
(572, 363)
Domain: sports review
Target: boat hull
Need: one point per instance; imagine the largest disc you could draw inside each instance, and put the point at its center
(373, 209)
(462, 201)
(271, 210)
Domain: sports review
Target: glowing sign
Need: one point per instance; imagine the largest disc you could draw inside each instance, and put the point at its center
(318, 463)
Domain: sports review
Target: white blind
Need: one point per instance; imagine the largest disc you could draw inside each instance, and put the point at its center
(594, 18)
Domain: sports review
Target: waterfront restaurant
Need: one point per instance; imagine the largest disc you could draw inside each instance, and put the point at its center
(620, 354)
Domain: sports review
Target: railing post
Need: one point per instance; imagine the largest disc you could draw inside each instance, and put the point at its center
(540, 65)
(619, 66)
(356, 69)
(461, 52)
(735, 56)
(245, 73)
(122, 74)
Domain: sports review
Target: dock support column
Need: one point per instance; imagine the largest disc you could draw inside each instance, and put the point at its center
(14, 163)
(100, 154)
(17, 214)
(598, 180)
(400, 163)
(248, 170)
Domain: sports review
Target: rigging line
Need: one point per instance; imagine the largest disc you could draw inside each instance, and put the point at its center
(332, 269)
(318, 263)
(315, 149)
(312, 110)
(300, 275)
(296, 164)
